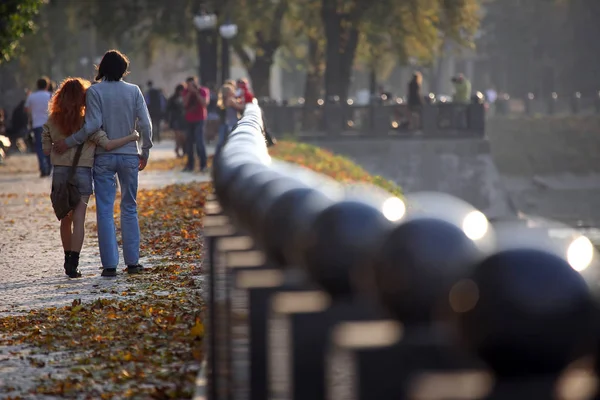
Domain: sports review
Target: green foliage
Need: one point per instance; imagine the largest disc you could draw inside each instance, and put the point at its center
(16, 21)
(416, 29)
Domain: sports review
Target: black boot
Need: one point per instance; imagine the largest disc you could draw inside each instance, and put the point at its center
(67, 256)
(73, 270)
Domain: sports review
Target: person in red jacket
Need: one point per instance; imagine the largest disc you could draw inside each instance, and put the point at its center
(244, 91)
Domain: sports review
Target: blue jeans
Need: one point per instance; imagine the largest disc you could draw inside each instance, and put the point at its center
(107, 168)
(195, 141)
(43, 160)
(224, 130)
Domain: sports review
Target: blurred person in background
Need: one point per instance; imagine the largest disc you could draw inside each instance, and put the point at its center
(244, 92)
(229, 107)
(462, 89)
(415, 100)
(212, 119)
(37, 106)
(51, 87)
(19, 131)
(491, 95)
(157, 105)
(4, 140)
(462, 95)
(195, 101)
(176, 119)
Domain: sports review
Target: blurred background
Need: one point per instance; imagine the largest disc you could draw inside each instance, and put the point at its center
(311, 49)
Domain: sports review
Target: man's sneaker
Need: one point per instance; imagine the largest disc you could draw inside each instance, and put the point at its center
(135, 269)
(110, 272)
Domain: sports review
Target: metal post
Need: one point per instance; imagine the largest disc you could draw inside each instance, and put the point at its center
(225, 67)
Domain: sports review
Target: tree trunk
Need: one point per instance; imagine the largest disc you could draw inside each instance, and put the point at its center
(347, 62)
(333, 31)
(313, 84)
(260, 75)
(207, 53)
(341, 32)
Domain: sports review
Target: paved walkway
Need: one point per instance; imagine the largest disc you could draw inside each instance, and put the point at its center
(31, 256)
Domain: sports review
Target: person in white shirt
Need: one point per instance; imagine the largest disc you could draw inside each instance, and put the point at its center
(37, 105)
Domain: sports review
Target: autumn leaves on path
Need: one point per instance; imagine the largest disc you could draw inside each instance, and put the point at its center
(145, 342)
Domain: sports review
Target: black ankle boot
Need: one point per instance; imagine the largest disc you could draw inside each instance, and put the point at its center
(73, 265)
(66, 265)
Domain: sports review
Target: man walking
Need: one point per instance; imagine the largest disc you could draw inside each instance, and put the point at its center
(195, 101)
(37, 105)
(116, 105)
(157, 105)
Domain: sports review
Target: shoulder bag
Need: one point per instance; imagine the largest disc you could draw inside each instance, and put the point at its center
(65, 195)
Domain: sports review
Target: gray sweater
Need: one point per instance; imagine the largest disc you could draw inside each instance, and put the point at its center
(118, 108)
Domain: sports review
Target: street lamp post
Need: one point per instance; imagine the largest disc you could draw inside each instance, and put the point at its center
(228, 32)
(205, 24)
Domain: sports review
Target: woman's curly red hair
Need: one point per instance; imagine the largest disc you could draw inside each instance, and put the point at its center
(67, 106)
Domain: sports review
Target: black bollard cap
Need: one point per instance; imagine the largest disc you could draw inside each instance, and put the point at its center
(287, 220)
(230, 191)
(226, 167)
(525, 312)
(266, 195)
(343, 238)
(418, 265)
(247, 191)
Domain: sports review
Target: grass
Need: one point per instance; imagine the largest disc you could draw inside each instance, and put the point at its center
(320, 160)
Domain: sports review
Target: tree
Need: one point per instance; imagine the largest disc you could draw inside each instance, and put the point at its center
(16, 21)
(406, 28)
(258, 38)
(541, 46)
(304, 40)
(341, 21)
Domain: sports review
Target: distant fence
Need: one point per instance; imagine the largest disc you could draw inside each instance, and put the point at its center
(377, 120)
(438, 118)
(316, 294)
(555, 104)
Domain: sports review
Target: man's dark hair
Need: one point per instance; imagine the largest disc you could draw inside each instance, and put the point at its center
(42, 83)
(190, 79)
(113, 67)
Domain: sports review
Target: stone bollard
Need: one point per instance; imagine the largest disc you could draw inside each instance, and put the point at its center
(503, 104)
(412, 277)
(528, 314)
(552, 101)
(340, 241)
(529, 104)
(287, 222)
(576, 103)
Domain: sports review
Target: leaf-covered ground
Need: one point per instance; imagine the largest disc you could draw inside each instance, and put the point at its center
(313, 157)
(147, 342)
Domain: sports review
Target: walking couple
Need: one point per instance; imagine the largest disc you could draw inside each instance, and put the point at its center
(91, 128)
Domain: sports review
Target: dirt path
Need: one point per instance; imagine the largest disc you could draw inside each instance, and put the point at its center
(31, 257)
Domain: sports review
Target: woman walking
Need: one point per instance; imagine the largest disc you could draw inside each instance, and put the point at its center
(229, 108)
(66, 116)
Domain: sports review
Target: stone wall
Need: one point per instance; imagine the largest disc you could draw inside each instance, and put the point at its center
(528, 147)
(550, 166)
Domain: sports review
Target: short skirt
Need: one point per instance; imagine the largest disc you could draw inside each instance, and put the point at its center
(83, 177)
